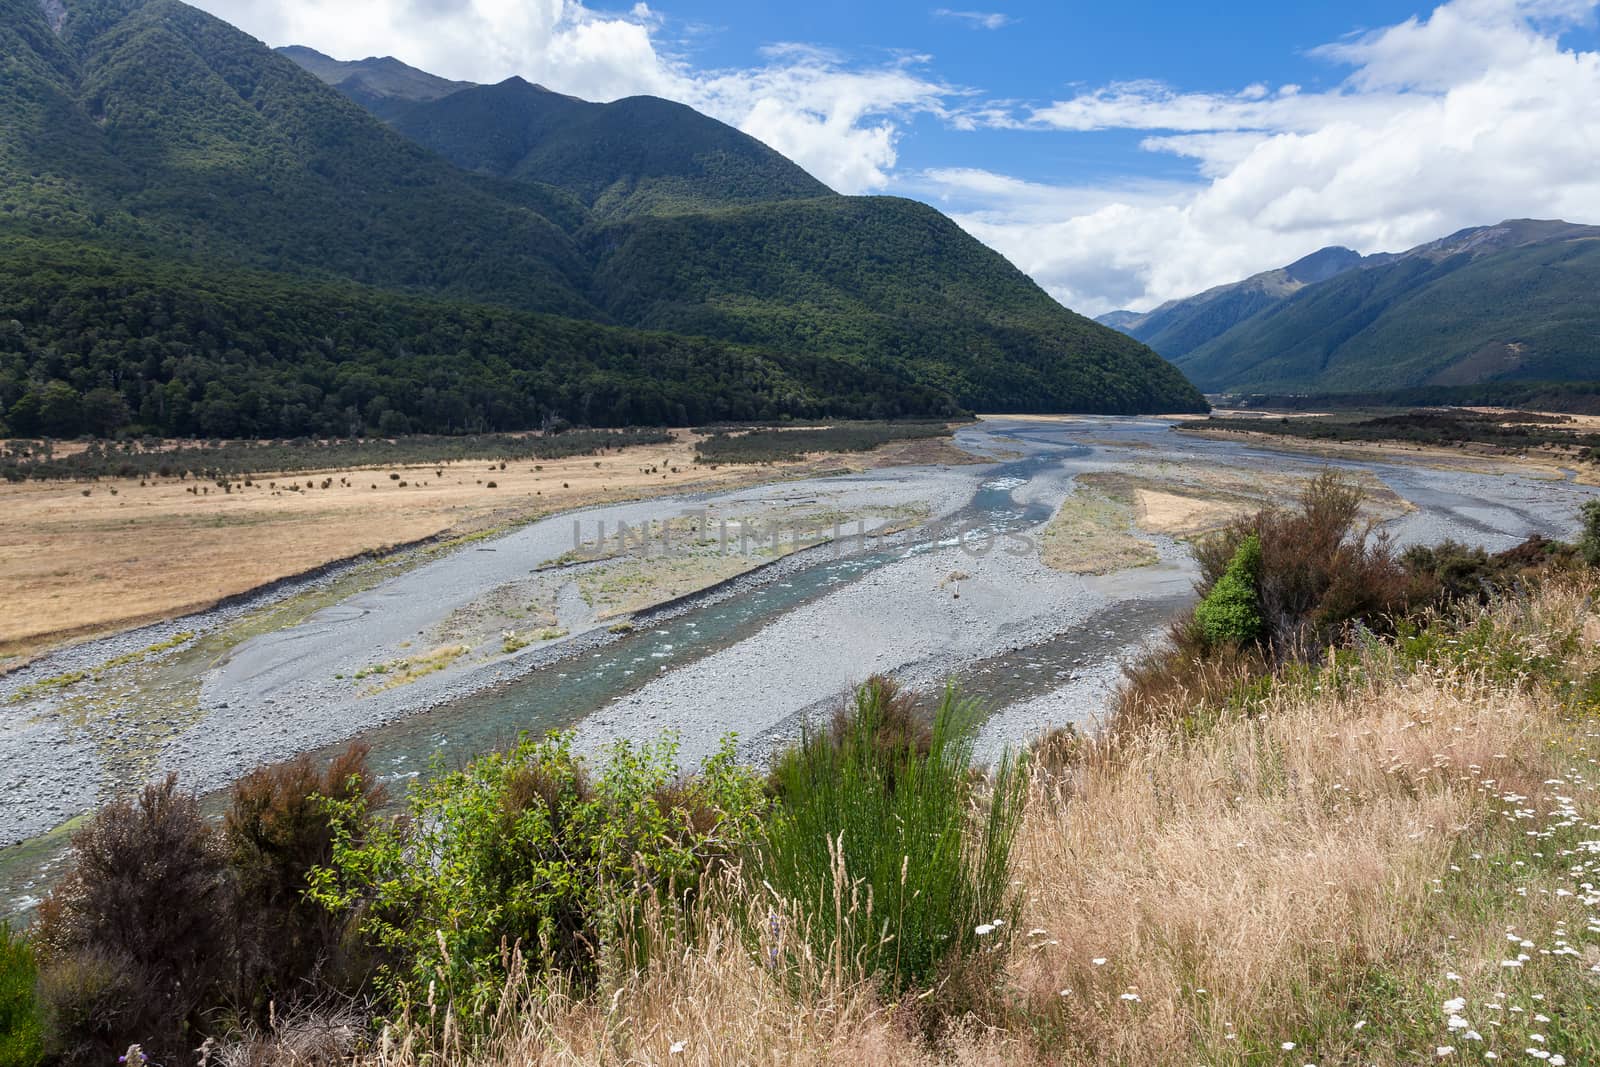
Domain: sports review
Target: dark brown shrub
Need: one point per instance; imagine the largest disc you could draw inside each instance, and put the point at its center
(900, 724)
(1322, 567)
(276, 830)
(134, 942)
(1451, 572)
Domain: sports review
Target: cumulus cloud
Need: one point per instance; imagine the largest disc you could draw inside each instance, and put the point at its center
(839, 120)
(978, 20)
(1475, 113)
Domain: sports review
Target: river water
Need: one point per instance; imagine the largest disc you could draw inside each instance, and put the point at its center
(1019, 633)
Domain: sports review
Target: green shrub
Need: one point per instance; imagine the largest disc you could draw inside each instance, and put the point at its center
(20, 1041)
(134, 942)
(1229, 614)
(878, 852)
(1322, 568)
(1589, 539)
(524, 849)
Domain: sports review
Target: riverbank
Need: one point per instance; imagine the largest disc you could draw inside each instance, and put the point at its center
(79, 559)
(495, 635)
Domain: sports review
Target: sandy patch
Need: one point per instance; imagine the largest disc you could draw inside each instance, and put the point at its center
(1092, 533)
(1182, 516)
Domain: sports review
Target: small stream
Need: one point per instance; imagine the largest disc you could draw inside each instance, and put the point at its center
(1497, 510)
(560, 694)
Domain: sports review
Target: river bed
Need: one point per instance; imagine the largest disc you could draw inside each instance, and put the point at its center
(926, 573)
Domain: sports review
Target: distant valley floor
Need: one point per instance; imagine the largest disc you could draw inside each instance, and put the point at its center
(1028, 573)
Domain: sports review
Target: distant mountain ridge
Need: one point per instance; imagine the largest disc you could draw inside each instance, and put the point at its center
(640, 154)
(378, 83)
(1178, 327)
(1509, 302)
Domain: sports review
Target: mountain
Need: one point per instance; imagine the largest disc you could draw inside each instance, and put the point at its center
(377, 82)
(1178, 327)
(1510, 302)
(698, 228)
(198, 236)
(639, 155)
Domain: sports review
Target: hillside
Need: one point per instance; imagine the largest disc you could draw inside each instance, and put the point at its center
(1512, 302)
(892, 281)
(1178, 327)
(217, 176)
(155, 127)
(697, 228)
(635, 156)
(227, 353)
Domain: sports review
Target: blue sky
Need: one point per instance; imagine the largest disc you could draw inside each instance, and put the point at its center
(1042, 52)
(1122, 154)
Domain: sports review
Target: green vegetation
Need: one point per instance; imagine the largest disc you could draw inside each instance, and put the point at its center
(96, 342)
(1513, 301)
(779, 445)
(890, 283)
(874, 853)
(21, 1044)
(529, 865)
(199, 239)
(525, 849)
(1230, 612)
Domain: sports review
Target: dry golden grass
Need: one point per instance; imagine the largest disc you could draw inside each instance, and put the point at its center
(1254, 864)
(1092, 533)
(1317, 881)
(73, 565)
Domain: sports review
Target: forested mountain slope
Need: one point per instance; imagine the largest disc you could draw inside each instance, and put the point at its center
(1512, 302)
(1178, 327)
(182, 211)
(697, 227)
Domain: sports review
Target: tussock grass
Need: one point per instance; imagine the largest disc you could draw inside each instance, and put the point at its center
(1312, 877)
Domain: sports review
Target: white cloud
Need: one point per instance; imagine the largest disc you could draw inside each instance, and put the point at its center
(1473, 114)
(839, 121)
(978, 20)
(1476, 112)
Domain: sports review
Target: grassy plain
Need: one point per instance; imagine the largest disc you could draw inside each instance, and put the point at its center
(84, 558)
